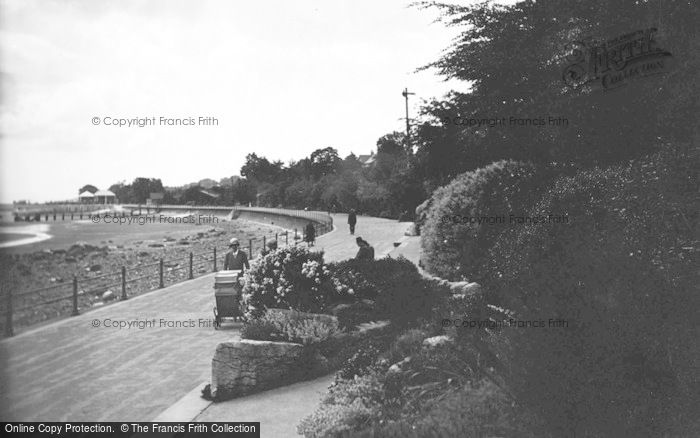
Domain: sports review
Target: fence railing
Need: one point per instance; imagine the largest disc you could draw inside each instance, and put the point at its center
(85, 211)
(49, 212)
(81, 291)
(324, 221)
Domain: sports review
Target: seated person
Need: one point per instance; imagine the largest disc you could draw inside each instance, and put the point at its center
(235, 258)
(366, 252)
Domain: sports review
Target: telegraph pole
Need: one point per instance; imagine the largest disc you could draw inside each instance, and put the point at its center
(405, 94)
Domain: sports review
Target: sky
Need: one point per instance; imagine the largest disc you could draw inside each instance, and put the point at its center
(281, 77)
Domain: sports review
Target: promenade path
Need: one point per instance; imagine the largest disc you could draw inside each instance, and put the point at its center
(72, 371)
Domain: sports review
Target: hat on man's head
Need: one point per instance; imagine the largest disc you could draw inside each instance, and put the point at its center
(359, 240)
(233, 241)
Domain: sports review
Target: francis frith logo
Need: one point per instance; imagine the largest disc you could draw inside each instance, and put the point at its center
(615, 62)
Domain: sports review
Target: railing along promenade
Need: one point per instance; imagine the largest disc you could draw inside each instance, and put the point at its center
(75, 295)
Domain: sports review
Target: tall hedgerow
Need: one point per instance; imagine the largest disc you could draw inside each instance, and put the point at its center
(623, 275)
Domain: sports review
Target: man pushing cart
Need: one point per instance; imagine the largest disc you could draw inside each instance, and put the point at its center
(227, 284)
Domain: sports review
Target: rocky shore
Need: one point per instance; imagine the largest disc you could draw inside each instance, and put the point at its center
(97, 268)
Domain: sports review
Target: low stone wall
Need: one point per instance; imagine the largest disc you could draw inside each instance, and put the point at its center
(285, 220)
(248, 366)
(245, 366)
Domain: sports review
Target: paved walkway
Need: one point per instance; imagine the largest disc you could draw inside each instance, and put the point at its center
(72, 371)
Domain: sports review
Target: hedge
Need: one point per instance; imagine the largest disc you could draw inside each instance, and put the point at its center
(455, 244)
(623, 274)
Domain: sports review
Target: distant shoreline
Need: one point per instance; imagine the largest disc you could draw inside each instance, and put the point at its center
(35, 233)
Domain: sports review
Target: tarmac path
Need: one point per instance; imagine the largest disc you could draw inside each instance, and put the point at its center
(83, 368)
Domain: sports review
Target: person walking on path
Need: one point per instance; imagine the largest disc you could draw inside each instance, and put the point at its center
(366, 252)
(310, 232)
(352, 220)
(235, 258)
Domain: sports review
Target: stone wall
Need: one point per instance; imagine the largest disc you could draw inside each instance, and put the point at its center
(281, 220)
(245, 366)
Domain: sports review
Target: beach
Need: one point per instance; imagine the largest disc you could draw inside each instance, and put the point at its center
(95, 253)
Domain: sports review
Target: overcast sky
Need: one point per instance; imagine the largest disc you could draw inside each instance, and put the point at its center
(282, 77)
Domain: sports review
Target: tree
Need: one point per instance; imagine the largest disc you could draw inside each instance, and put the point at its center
(324, 162)
(514, 56)
(122, 191)
(243, 191)
(261, 169)
(142, 188)
(88, 188)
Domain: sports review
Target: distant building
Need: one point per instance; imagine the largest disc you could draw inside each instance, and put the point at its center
(366, 160)
(155, 198)
(105, 197)
(86, 198)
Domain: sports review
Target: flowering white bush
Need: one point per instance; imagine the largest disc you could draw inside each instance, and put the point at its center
(288, 278)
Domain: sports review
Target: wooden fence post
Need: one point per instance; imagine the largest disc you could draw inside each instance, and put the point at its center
(214, 259)
(191, 273)
(75, 296)
(250, 248)
(124, 283)
(160, 266)
(286, 237)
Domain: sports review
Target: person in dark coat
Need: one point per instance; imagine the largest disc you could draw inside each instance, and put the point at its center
(235, 258)
(366, 252)
(310, 232)
(352, 220)
(271, 247)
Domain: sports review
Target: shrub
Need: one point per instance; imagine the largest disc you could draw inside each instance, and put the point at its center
(454, 244)
(351, 315)
(399, 291)
(476, 410)
(288, 278)
(403, 295)
(406, 344)
(350, 405)
(260, 329)
(350, 282)
(363, 360)
(623, 273)
(290, 327)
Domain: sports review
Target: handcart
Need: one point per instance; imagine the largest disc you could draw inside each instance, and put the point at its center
(227, 291)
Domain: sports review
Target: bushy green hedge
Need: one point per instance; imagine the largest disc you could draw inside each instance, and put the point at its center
(398, 290)
(623, 273)
(455, 244)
